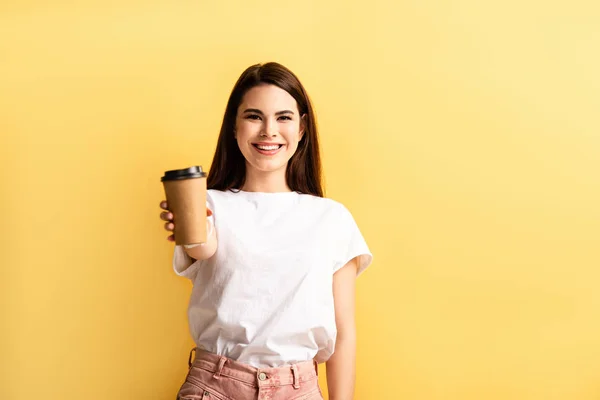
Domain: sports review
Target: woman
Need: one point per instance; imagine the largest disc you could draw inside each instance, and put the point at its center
(273, 290)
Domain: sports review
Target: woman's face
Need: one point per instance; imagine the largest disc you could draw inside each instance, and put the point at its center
(268, 128)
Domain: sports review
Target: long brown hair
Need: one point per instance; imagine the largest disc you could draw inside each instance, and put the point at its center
(303, 172)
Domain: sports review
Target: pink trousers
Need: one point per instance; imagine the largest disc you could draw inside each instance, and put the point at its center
(214, 377)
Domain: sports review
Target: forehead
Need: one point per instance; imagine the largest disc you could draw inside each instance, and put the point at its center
(268, 98)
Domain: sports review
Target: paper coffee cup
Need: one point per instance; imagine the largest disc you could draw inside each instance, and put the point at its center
(185, 190)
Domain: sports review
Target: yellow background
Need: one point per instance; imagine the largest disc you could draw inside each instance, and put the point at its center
(463, 135)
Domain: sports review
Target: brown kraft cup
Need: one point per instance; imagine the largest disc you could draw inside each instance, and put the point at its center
(185, 190)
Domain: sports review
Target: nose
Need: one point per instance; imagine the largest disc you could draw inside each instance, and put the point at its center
(270, 128)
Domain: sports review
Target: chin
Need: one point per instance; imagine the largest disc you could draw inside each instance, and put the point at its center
(268, 167)
(274, 168)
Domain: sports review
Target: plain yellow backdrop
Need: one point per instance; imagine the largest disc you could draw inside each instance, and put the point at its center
(463, 135)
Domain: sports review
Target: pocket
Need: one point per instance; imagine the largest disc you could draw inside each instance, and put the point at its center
(197, 391)
(205, 396)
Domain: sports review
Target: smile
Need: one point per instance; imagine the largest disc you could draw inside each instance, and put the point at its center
(267, 149)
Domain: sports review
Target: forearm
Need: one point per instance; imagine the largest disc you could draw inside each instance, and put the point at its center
(341, 369)
(205, 250)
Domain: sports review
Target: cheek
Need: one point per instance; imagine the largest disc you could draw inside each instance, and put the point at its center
(291, 132)
(244, 130)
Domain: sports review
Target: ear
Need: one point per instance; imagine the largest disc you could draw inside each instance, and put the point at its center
(302, 126)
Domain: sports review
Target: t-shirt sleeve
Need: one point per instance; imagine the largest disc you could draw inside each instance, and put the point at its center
(183, 264)
(351, 244)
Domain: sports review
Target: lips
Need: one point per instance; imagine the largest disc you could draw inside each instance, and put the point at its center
(267, 146)
(267, 149)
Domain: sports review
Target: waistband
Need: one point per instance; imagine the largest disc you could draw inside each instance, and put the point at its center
(293, 374)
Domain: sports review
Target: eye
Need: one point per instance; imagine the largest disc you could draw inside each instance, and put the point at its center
(253, 116)
(285, 117)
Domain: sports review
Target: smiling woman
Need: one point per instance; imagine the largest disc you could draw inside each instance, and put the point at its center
(274, 285)
(268, 106)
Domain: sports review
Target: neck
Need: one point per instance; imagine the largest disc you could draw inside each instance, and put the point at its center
(263, 181)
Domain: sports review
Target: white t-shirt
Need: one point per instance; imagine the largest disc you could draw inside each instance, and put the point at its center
(266, 298)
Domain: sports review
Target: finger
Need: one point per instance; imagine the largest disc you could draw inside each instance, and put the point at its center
(171, 238)
(209, 212)
(164, 205)
(169, 226)
(166, 216)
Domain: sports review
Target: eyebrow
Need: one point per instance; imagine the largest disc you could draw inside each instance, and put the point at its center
(257, 111)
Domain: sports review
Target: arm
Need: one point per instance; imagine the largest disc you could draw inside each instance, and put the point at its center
(341, 365)
(206, 250)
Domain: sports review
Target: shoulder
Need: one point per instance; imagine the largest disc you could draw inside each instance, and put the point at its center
(216, 197)
(214, 193)
(323, 202)
(329, 206)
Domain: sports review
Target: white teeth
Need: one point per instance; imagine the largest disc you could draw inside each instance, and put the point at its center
(268, 147)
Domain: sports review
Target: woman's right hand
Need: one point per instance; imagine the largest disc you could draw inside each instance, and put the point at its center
(167, 216)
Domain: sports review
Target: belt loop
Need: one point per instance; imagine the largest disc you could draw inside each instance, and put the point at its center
(217, 374)
(296, 377)
(190, 359)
